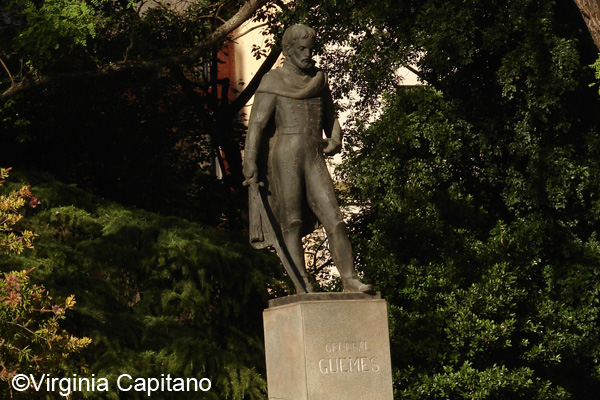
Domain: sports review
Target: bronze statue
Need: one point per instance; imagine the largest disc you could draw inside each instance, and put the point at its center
(290, 188)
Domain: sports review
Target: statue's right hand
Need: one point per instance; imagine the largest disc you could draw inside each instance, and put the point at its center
(250, 171)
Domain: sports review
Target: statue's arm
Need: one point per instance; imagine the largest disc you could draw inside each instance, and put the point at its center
(262, 110)
(332, 128)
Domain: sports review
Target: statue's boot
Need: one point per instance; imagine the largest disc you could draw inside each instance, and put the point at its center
(341, 251)
(292, 236)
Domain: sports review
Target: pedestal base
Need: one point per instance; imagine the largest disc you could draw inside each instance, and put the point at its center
(328, 346)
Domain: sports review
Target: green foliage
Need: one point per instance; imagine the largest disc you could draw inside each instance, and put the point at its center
(596, 67)
(157, 295)
(49, 36)
(478, 196)
(54, 25)
(483, 257)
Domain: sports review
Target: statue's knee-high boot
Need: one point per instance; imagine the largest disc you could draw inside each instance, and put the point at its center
(341, 251)
(292, 236)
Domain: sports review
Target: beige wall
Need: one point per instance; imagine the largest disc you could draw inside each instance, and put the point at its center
(246, 65)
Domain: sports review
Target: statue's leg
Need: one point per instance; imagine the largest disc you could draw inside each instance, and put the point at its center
(341, 251)
(322, 201)
(292, 237)
(289, 182)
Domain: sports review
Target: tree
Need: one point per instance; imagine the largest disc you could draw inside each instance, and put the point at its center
(477, 191)
(48, 31)
(133, 83)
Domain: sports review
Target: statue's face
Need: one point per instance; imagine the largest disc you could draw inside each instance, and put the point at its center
(301, 52)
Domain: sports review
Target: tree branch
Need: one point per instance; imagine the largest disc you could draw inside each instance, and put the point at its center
(12, 80)
(233, 39)
(414, 71)
(250, 89)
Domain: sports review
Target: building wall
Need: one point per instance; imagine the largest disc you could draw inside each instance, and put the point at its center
(246, 64)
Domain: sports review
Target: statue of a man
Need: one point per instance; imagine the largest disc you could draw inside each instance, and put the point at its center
(284, 165)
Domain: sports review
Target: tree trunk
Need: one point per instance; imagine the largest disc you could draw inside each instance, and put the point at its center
(590, 10)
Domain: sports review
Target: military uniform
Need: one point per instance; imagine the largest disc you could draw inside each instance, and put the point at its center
(291, 110)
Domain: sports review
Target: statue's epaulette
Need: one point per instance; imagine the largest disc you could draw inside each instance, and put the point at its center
(271, 81)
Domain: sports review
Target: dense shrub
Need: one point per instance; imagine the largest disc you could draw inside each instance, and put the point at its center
(156, 294)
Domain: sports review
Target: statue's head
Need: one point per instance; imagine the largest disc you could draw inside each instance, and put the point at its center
(298, 45)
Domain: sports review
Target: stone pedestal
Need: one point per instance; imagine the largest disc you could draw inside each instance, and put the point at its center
(328, 346)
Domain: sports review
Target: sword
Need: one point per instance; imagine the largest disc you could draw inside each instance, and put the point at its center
(263, 226)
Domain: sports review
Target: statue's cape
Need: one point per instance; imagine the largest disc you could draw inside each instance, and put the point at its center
(286, 82)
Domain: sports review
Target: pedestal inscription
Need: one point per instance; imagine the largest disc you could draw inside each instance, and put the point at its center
(328, 347)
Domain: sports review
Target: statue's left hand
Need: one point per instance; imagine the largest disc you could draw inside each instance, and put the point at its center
(333, 147)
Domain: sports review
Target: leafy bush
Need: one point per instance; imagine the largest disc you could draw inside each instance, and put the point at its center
(31, 339)
(156, 294)
(10, 205)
